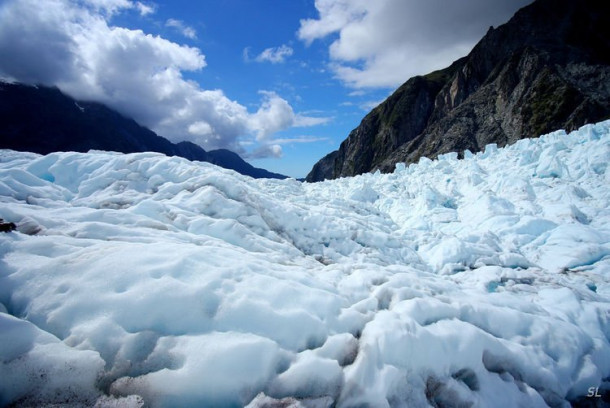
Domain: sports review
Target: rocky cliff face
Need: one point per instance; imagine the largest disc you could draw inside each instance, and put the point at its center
(547, 68)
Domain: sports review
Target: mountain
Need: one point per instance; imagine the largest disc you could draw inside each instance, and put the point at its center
(231, 160)
(547, 68)
(42, 119)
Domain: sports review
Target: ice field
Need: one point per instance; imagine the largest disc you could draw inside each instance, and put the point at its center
(145, 279)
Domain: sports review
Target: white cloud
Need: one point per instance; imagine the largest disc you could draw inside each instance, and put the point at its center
(71, 45)
(273, 55)
(266, 150)
(200, 129)
(109, 6)
(305, 121)
(369, 105)
(274, 114)
(273, 147)
(185, 30)
(299, 139)
(145, 8)
(246, 54)
(335, 15)
(384, 42)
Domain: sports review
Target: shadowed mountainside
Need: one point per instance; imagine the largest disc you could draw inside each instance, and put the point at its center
(42, 120)
(547, 68)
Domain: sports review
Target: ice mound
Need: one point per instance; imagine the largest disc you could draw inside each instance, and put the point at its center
(143, 279)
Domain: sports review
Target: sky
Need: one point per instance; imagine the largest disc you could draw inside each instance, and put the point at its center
(281, 82)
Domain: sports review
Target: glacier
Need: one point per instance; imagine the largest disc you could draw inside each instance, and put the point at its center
(145, 280)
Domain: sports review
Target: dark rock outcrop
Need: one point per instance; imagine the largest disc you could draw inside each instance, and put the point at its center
(42, 120)
(7, 226)
(547, 68)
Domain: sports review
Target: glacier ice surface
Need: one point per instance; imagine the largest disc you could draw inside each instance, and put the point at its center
(145, 279)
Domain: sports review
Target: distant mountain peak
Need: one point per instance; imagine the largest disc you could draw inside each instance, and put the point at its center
(42, 119)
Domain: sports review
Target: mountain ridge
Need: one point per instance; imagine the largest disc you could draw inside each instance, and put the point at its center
(547, 68)
(43, 119)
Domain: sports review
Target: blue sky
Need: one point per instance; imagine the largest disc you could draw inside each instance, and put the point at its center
(281, 82)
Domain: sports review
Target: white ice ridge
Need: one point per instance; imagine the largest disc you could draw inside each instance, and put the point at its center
(144, 279)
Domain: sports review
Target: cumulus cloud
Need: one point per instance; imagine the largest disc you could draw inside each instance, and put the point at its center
(382, 43)
(274, 55)
(70, 44)
(273, 115)
(185, 30)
